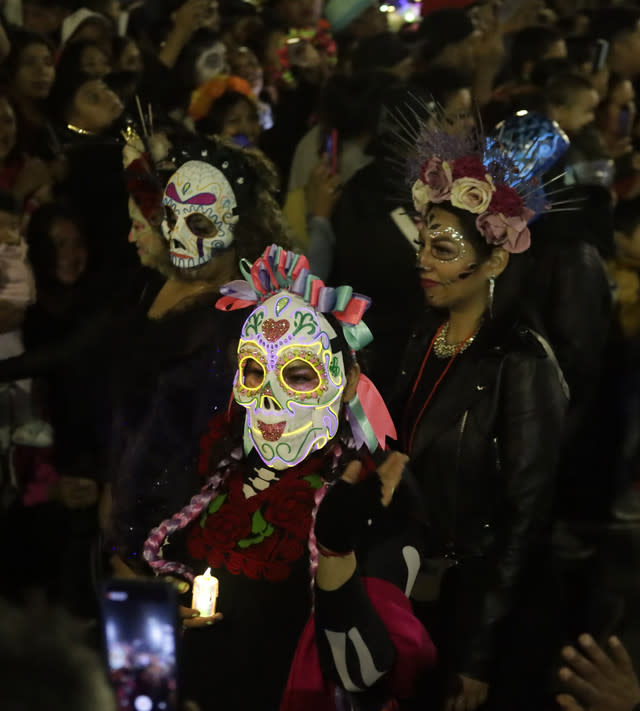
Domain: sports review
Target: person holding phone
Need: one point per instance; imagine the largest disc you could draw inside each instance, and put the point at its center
(295, 508)
(617, 116)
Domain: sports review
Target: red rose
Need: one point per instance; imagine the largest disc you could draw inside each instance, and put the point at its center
(217, 428)
(196, 547)
(263, 550)
(291, 549)
(469, 167)
(226, 527)
(234, 563)
(253, 568)
(290, 507)
(507, 201)
(215, 558)
(276, 572)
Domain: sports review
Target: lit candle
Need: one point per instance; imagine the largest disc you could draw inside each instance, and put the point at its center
(205, 594)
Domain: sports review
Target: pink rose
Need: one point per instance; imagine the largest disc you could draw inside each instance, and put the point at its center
(433, 185)
(510, 233)
(472, 194)
(436, 173)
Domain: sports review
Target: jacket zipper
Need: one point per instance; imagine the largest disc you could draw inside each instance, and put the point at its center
(454, 522)
(496, 450)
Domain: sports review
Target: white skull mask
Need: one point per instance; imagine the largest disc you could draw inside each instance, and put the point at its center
(289, 380)
(200, 214)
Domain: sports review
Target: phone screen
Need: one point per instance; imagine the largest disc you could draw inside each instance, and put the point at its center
(624, 123)
(600, 55)
(296, 48)
(331, 150)
(140, 624)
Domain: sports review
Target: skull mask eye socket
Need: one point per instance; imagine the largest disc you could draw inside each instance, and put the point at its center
(201, 226)
(170, 217)
(300, 376)
(252, 373)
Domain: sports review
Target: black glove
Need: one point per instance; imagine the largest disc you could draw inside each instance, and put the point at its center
(346, 512)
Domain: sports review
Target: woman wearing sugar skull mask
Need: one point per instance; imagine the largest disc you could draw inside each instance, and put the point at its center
(174, 370)
(305, 409)
(482, 415)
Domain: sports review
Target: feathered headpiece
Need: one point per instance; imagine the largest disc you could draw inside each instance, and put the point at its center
(495, 178)
(279, 270)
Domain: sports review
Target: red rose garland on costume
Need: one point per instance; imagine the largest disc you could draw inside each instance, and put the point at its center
(260, 536)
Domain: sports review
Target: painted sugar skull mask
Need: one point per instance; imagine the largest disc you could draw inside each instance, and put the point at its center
(200, 214)
(289, 380)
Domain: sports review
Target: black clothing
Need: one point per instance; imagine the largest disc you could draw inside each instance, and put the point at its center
(264, 615)
(376, 259)
(173, 375)
(72, 348)
(568, 288)
(570, 291)
(95, 186)
(484, 454)
(291, 121)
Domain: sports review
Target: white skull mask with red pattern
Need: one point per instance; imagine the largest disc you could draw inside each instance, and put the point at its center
(200, 214)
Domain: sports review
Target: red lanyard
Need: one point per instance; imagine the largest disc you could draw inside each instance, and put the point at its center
(434, 388)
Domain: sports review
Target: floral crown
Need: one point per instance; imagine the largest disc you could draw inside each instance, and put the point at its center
(280, 270)
(319, 37)
(203, 98)
(482, 177)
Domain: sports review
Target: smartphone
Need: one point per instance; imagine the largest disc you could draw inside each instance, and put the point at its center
(331, 150)
(140, 627)
(600, 55)
(241, 140)
(625, 119)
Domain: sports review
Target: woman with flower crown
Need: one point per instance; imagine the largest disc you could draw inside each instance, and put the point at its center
(483, 404)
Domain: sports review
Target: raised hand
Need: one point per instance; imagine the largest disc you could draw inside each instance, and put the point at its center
(598, 680)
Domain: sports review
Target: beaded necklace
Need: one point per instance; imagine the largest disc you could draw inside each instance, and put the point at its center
(457, 350)
(442, 349)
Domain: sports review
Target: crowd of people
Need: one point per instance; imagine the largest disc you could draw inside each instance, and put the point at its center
(340, 299)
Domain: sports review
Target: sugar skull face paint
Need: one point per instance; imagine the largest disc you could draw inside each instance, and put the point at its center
(289, 380)
(200, 214)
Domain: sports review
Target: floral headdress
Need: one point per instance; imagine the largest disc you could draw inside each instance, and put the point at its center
(319, 37)
(482, 177)
(204, 96)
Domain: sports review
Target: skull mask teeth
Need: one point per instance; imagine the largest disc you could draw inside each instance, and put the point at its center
(200, 214)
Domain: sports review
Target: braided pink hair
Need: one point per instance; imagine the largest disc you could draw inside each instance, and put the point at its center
(153, 545)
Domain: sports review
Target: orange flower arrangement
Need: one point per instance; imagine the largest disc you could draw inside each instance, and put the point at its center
(204, 96)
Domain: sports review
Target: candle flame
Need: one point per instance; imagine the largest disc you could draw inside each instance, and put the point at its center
(207, 573)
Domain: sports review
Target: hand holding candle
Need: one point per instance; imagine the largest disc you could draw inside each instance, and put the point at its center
(205, 594)
(203, 606)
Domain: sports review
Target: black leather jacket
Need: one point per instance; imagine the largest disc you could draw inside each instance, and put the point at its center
(485, 454)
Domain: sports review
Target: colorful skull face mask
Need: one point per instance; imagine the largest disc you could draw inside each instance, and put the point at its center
(288, 416)
(200, 214)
